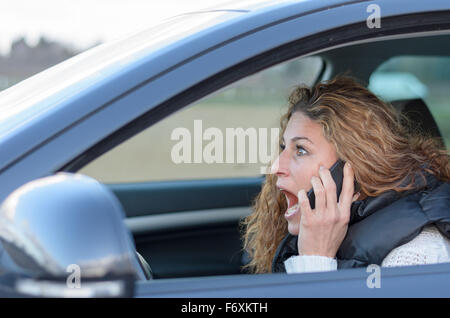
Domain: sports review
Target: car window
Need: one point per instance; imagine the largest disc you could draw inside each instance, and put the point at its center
(411, 77)
(231, 133)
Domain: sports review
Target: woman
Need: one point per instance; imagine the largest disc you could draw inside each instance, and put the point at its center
(400, 213)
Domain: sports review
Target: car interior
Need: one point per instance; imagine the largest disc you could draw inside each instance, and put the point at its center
(190, 228)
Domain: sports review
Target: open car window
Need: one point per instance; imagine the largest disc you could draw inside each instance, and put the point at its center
(217, 137)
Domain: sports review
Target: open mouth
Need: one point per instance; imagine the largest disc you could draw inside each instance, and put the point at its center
(292, 201)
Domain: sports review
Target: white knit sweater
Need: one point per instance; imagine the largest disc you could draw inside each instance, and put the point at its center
(429, 247)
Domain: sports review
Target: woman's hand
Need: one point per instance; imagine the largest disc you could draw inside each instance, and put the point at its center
(323, 229)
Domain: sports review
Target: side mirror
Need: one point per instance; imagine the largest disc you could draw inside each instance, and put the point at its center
(69, 227)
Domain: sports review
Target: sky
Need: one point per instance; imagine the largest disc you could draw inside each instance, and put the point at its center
(83, 23)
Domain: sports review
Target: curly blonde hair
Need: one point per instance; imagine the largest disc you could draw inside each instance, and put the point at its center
(383, 147)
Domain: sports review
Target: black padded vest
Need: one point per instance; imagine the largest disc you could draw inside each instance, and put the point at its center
(380, 224)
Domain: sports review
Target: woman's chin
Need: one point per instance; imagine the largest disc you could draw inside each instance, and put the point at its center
(293, 228)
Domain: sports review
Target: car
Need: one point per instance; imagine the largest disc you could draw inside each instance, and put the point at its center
(114, 114)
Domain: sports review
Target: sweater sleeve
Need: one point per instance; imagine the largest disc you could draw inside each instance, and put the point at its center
(309, 263)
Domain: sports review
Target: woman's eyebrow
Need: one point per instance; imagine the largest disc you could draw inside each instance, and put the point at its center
(294, 139)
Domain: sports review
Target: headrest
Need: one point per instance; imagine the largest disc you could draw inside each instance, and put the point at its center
(417, 111)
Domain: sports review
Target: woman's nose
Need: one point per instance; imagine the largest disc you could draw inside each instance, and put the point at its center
(280, 167)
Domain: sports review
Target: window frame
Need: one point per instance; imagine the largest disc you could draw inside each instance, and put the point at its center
(393, 27)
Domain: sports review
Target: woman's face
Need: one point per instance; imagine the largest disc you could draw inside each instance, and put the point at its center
(304, 150)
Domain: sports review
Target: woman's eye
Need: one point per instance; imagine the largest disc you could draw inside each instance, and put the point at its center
(301, 151)
(282, 147)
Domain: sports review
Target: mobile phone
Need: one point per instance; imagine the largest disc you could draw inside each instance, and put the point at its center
(337, 173)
